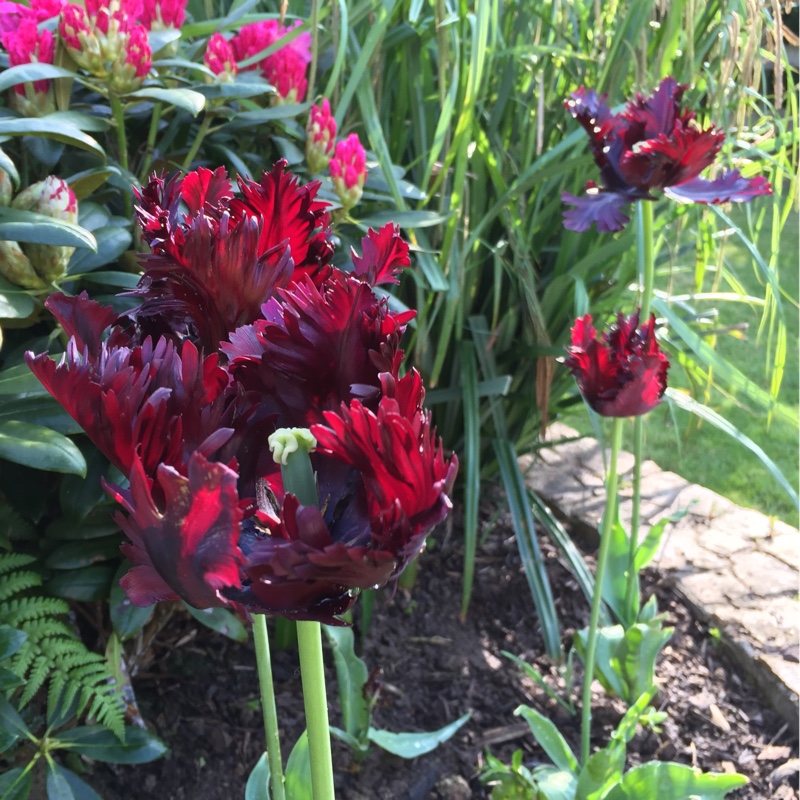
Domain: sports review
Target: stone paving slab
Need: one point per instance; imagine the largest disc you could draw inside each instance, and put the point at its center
(738, 569)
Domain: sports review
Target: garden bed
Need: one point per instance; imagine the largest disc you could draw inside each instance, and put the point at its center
(200, 693)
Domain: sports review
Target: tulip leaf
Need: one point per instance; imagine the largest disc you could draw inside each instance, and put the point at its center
(11, 640)
(186, 99)
(27, 226)
(27, 73)
(648, 547)
(351, 676)
(615, 580)
(63, 784)
(97, 742)
(257, 787)
(660, 779)
(220, 620)
(549, 739)
(16, 784)
(40, 448)
(126, 618)
(297, 777)
(602, 771)
(87, 583)
(555, 784)
(411, 745)
(66, 134)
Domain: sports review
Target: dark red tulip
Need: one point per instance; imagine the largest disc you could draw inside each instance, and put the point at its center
(651, 146)
(624, 374)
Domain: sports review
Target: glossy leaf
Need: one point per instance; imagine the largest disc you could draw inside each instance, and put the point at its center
(112, 242)
(96, 742)
(81, 554)
(63, 784)
(27, 73)
(20, 381)
(257, 787)
(66, 134)
(28, 226)
(126, 618)
(185, 99)
(11, 640)
(40, 448)
(412, 745)
(16, 784)
(88, 583)
(14, 303)
(220, 620)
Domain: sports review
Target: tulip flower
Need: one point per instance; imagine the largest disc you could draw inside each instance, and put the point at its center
(244, 327)
(220, 59)
(651, 146)
(348, 169)
(320, 137)
(25, 45)
(625, 373)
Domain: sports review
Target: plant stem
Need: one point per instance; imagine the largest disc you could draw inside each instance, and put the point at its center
(260, 637)
(122, 146)
(312, 76)
(151, 142)
(597, 595)
(198, 140)
(644, 235)
(312, 669)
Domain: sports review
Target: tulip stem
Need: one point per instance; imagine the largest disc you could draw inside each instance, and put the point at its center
(261, 640)
(122, 146)
(597, 594)
(315, 702)
(644, 234)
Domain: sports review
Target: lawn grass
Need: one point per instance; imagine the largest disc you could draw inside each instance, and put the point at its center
(702, 454)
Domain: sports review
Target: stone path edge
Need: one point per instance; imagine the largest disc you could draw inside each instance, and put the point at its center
(737, 569)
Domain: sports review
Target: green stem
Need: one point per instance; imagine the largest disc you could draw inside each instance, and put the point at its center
(261, 640)
(644, 233)
(312, 669)
(597, 595)
(151, 142)
(122, 146)
(312, 77)
(198, 140)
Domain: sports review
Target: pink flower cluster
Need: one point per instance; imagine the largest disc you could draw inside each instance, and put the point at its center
(107, 40)
(286, 68)
(26, 45)
(13, 14)
(221, 59)
(320, 137)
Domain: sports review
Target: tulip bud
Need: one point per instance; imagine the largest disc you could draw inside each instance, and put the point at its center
(220, 59)
(53, 198)
(25, 45)
(348, 169)
(15, 267)
(320, 137)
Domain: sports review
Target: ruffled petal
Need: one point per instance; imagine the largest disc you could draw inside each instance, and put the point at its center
(597, 206)
(383, 256)
(730, 187)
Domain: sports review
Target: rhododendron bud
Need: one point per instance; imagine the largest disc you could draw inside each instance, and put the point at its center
(220, 59)
(15, 267)
(26, 45)
(625, 373)
(320, 137)
(162, 14)
(286, 71)
(6, 188)
(132, 64)
(348, 169)
(82, 40)
(53, 198)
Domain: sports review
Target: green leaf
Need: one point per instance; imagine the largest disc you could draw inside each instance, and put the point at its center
(257, 787)
(27, 73)
(44, 411)
(96, 525)
(601, 772)
(626, 729)
(247, 86)
(88, 583)
(14, 303)
(608, 671)
(20, 381)
(554, 784)
(79, 120)
(10, 640)
(126, 618)
(16, 784)
(615, 580)
(81, 554)
(412, 745)
(66, 134)
(96, 742)
(220, 620)
(11, 722)
(28, 226)
(40, 448)
(63, 784)
(9, 680)
(638, 653)
(405, 219)
(112, 242)
(297, 776)
(186, 99)
(351, 677)
(549, 738)
(659, 780)
(247, 119)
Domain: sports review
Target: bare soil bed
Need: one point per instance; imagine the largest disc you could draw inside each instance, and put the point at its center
(199, 693)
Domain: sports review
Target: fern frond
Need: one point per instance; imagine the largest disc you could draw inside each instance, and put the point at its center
(14, 525)
(24, 609)
(14, 561)
(18, 582)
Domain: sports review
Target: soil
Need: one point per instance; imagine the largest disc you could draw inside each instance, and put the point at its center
(200, 693)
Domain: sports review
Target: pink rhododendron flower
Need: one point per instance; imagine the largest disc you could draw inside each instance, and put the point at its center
(625, 373)
(245, 327)
(26, 45)
(348, 169)
(651, 145)
(320, 136)
(162, 14)
(220, 58)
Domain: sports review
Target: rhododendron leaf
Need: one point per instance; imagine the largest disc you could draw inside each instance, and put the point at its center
(219, 620)
(28, 226)
(27, 73)
(98, 743)
(85, 584)
(185, 99)
(40, 448)
(66, 134)
(126, 618)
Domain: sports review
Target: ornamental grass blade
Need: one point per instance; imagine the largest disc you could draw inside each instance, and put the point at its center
(525, 532)
(472, 459)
